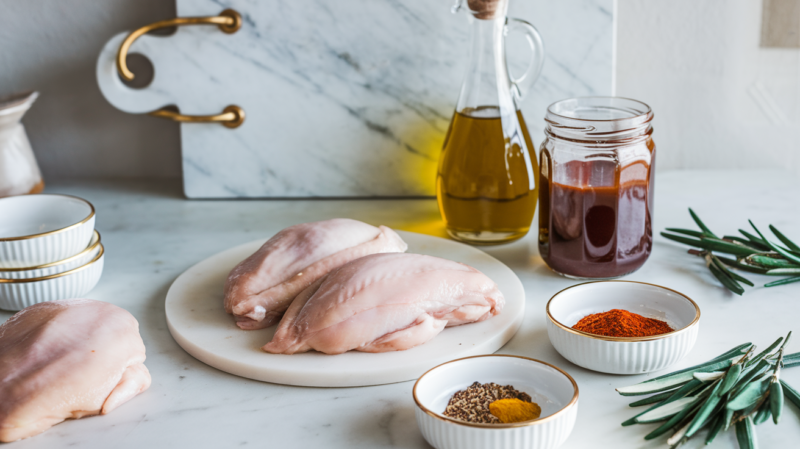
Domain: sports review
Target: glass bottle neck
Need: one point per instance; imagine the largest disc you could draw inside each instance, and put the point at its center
(486, 91)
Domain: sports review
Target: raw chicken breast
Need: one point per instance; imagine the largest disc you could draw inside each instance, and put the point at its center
(385, 302)
(259, 290)
(67, 359)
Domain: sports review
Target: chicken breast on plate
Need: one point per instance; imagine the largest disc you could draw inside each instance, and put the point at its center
(385, 302)
(67, 359)
(259, 290)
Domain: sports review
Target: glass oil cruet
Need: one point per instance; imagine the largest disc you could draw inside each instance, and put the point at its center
(486, 181)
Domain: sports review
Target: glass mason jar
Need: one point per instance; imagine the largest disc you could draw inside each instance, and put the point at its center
(596, 182)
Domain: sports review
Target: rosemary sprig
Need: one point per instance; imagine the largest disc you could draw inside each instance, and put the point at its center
(743, 393)
(754, 254)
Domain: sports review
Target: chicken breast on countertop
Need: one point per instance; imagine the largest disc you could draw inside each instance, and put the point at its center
(67, 359)
(259, 290)
(385, 302)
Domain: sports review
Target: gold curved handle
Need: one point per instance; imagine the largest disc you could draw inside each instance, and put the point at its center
(229, 21)
(231, 117)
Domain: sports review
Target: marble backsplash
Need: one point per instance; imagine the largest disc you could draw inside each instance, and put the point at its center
(345, 98)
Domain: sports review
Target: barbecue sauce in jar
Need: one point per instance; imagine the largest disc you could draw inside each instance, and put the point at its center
(596, 204)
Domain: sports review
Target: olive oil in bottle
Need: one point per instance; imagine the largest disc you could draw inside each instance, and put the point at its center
(486, 181)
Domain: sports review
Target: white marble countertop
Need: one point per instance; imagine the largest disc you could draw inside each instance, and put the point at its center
(152, 234)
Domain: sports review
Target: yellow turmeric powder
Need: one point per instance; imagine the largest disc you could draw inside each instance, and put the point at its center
(514, 410)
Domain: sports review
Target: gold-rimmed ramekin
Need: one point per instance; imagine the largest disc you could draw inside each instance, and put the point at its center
(42, 229)
(622, 355)
(55, 267)
(17, 294)
(554, 390)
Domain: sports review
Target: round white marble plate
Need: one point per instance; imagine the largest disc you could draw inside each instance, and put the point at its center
(198, 322)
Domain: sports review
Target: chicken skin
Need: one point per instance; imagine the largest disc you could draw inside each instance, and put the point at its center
(385, 302)
(67, 359)
(259, 290)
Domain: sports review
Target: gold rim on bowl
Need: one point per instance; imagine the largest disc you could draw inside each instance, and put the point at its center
(628, 339)
(531, 422)
(57, 275)
(92, 245)
(55, 231)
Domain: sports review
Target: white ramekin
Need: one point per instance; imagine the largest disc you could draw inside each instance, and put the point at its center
(17, 294)
(550, 387)
(621, 355)
(42, 229)
(61, 266)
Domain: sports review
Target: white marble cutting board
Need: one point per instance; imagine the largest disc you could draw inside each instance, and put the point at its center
(198, 322)
(344, 98)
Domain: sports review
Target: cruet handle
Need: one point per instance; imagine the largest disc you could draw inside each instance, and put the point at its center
(522, 85)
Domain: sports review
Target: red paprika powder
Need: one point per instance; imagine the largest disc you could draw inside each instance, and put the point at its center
(621, 323)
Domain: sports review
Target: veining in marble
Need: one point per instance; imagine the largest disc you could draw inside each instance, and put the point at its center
(345, 98)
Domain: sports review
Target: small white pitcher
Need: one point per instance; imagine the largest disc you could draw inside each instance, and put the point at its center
(19, 172)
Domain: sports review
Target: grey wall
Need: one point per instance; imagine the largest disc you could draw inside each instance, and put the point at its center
(51, 46)
(721, 97)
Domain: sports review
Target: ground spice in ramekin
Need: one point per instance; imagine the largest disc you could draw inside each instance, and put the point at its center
(472, 404)
(621, 323)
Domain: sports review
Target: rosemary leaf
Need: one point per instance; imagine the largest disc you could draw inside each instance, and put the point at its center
(746, 434)
(704, 414)
(748, 396)
(783, 281)
(791, 363)
(712, 244)
(763, 413)
(785, 342)
(776, 248)
(656, 387)
(750, 243)
(700, 223)
(790, 360)
(730, 273)
(678, 437)
(664, 428)
(727, 416)
(691, 387)
(666, 411)
(753, 238)
(652, 399)
(789, 244)
(722, 246)
(672, 380)
(729, 283)
(771, 262)
(716, 426)
(784, 271)
(690, 232)
(792, 356)
(749, 374)
(776, 400)
(766, 352)
(791, 394)
(708, 377)
(727, 355)
(730, 378)
(742, 266)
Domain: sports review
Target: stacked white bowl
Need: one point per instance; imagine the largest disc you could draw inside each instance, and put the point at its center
(49, 249)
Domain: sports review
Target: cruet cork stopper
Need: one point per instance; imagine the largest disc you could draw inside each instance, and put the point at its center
(487, 9)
